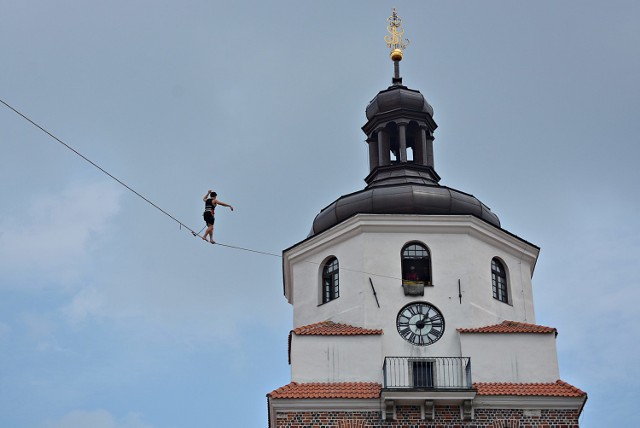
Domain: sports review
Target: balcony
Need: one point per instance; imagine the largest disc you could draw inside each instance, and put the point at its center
(427, 373)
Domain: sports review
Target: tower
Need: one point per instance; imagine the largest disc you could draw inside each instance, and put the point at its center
(411, 305)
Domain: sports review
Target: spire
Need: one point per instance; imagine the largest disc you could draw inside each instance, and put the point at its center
(397, 45)
(399, 125)
(402, 177)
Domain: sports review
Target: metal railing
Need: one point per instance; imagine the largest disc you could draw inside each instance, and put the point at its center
(427, 372)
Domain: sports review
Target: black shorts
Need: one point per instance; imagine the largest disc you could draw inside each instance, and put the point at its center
(209, 218)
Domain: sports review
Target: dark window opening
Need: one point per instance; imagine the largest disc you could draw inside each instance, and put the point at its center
(422, 374)
(416, 265)
(411, 144)
(394, 147)
(330, 281)
(499, 281)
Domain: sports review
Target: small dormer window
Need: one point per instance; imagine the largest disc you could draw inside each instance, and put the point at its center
(330, 280)
(499, 281)
(416, 264)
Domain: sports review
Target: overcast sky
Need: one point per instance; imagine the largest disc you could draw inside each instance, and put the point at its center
(112, 316)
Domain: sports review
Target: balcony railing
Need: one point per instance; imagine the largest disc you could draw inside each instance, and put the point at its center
(427, 373)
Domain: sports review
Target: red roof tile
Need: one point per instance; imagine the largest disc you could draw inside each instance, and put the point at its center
(371, 390)
(556, 389)
(361, 390)
(510, 327)
(330, 328)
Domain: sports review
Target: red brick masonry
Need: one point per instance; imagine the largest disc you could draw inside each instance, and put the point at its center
(445, 417)
(410, 416)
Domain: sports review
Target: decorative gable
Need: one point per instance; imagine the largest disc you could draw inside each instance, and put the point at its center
(511, 352)
(329, 328)
(332, 352)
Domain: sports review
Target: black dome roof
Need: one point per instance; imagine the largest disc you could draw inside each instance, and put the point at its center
(402, 178)
(398, 97)
(409, 198)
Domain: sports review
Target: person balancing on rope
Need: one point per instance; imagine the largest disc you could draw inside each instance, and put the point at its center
(210, 202)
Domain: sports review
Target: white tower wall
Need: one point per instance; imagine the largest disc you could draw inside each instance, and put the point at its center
(369, 246)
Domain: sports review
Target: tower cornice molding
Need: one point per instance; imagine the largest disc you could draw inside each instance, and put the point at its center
(527, 402)
(328, 404)
(395, 116)
(313, 248)
(415, 223)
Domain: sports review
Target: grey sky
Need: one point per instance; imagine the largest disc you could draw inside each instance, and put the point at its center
(111, 316)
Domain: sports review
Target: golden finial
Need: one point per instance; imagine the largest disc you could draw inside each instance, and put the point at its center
(394, 39)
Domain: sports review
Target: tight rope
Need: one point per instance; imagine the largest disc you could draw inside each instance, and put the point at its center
(181, 224)
(98, 166)
(307, 261)
(249, 249)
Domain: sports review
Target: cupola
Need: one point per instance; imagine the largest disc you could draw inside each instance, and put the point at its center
(402, 177)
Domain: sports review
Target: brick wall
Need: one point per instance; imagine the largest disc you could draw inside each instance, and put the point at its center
(445, 417)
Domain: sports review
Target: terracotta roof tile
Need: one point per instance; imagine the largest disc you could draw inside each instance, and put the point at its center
(358, 390)
(371, 390)
(330, 328)
(510, 327)
(556, 389)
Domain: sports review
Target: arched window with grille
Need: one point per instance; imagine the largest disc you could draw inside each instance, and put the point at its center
(499, 281)
(330, 280)
(416, 264)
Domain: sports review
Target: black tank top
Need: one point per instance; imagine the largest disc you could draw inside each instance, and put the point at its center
(209, 206)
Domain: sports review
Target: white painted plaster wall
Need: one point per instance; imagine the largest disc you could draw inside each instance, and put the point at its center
(369, 246)
(336, 358)
(511, 357)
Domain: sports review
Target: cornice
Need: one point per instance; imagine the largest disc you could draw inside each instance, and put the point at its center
(310, 249)
(528, 402)
(327, 404)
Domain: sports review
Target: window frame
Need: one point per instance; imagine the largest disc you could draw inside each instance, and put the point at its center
(422, 373)
(500, 289)
(426, 265)
(329, 280)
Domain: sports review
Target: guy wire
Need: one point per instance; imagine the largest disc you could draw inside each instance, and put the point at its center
(181, 224)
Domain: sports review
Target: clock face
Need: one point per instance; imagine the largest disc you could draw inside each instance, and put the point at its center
(420, 323)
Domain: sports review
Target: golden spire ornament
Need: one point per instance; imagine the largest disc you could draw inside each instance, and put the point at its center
(394, 39)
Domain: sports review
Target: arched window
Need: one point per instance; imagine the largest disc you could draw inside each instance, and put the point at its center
(499, 281)
(330, 280)
(416, 264)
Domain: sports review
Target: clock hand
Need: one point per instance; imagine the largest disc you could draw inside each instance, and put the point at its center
(422, 323)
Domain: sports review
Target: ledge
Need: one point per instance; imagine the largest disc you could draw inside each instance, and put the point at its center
(440, 397)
